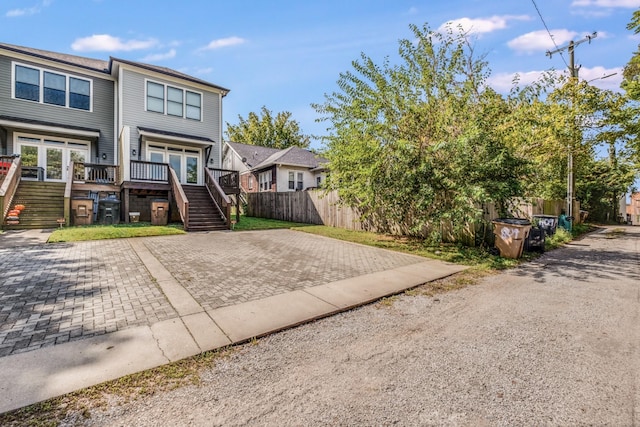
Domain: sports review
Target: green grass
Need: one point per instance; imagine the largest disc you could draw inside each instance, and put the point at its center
(477, 257)
(252, 223)
(118, 231)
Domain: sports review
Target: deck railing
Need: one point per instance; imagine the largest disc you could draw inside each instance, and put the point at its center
(9, 185)
(229, 180)
(222, 201)
(96, 173)
(149, 171)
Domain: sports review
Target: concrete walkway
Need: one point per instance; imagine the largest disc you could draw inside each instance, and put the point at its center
(165, 299)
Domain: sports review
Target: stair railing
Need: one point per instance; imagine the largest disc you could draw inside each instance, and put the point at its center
(181, 198)
(220, 199)
(9, 186)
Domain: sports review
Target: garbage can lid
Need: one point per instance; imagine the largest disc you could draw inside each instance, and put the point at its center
(513, 221)
(544, 216)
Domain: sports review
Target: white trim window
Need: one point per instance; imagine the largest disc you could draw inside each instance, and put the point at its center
(172, 101)
(300, 183)
(51, 87)
(292, 184)
(265, 179)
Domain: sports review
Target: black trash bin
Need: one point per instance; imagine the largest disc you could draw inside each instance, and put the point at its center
(548, 223)
(109, 211)
(535, 240)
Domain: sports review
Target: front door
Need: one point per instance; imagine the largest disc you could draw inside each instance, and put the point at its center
(49, 158)
(184, 161)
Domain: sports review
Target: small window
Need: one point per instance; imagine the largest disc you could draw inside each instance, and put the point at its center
(318, 181)
(174, 101)
(194, 106)
(299, 187)
(55, 89)
(250, 182)
(155, 97)
(27, 83)
(291, 181)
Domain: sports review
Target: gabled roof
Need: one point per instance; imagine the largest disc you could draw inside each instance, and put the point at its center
(103, 66)
(252, 155)
(168, 72)
(63, 58)
(262, 157)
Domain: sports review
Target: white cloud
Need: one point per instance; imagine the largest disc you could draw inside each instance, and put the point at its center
(108, 43)
(604, 78)
(503, 82)
(537, 41)
(160, 56)
(606, 3)
(225, 42)
(28, 10)
(481, 25)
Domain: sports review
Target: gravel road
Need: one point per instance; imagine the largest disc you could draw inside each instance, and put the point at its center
(554, 342)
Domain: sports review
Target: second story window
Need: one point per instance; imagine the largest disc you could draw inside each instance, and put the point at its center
(27, 83)
(155, 97)
(179, 102)
(57, 88)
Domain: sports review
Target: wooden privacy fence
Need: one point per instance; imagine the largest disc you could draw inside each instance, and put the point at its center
(318, 207)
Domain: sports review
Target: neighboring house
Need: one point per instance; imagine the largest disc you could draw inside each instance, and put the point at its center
(633, 209)
(134, 131)
(268, 169)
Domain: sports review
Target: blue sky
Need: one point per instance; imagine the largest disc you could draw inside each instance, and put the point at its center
(286, 55)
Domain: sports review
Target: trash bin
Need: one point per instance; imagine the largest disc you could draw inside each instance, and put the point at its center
(82, 210)
(109, 211)
(159, 212)
(510, 235)
(535, 240)
(548, 223)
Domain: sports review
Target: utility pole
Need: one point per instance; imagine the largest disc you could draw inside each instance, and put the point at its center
(574, 76)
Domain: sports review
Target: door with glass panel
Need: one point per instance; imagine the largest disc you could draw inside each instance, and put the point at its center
(184, 162)
(49, 159)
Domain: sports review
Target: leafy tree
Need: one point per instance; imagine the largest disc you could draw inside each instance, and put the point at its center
(420, 144)
(631, 73)
(584, 119)
(268, 131)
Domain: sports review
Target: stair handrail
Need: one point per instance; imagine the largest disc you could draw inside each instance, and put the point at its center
(181, 198)
(220, 199)
(67, 194)
(9, 186)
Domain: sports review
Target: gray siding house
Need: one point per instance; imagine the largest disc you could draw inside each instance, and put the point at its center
(264, 169)
(117, 129)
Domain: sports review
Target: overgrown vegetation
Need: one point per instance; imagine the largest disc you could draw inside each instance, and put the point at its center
(424, 142)
(116, 231)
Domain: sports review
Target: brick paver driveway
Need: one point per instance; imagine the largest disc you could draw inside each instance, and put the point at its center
(50, 294)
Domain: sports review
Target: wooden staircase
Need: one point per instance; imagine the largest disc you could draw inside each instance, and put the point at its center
(43, 204)
(203, 213)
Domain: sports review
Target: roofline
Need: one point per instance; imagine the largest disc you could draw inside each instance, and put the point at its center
(53, 59)
(158, 70)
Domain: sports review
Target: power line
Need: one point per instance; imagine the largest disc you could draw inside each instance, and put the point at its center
(549, 32)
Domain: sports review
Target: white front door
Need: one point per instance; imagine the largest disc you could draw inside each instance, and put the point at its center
(50, 155)
(184, 161)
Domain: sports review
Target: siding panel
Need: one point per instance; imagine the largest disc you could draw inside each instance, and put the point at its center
(101, 117)
(134, 113)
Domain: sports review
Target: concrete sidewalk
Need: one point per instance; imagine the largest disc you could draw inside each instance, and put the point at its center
(33, 376)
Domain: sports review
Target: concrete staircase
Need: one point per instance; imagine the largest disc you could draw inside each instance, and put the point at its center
(43, 202)
(203, 213)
